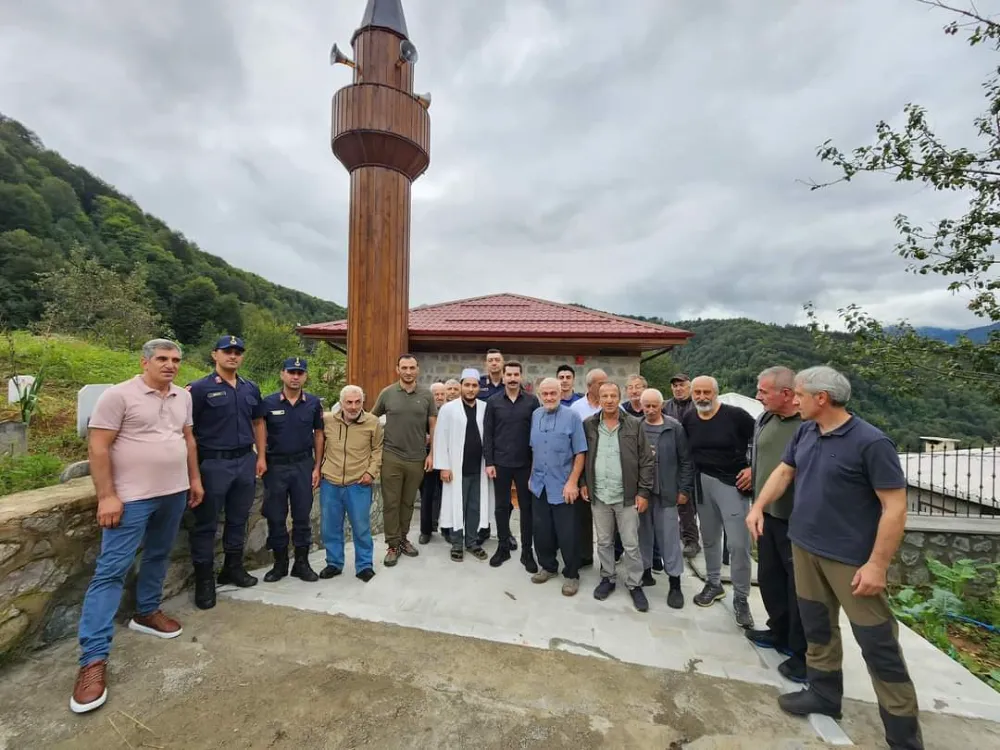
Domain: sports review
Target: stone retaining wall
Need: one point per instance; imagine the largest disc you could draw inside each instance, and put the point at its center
(49, 541)
(947, 539)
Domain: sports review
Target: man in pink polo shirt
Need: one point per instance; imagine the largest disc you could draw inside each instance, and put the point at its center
(145, 470)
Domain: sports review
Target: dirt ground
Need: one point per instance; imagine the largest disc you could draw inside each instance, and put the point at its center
(255, 676)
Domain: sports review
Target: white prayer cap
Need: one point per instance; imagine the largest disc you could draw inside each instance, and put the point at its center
(470, 372)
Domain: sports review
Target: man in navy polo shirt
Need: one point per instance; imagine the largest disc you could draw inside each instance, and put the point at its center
(224, 404)
(289, 436)
(847, 521)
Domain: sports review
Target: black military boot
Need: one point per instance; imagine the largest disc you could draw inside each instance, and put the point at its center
(301, 568)
(204, 586)
(280, 569)
(233, 571)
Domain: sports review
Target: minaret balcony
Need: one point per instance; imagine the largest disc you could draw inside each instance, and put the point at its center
(378, 125)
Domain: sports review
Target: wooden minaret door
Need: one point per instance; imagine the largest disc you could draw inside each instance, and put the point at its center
(381, 134)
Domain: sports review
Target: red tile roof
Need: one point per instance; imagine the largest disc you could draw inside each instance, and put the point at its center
(515, 316)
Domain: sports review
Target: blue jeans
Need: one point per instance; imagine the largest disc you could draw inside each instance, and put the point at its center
(356, 501)
(153, 523)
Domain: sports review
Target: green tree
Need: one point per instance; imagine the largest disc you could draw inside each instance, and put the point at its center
(60, 197)
(23, 257)
(193, 306)
(23, 208)
(86, 299)
(960, 249)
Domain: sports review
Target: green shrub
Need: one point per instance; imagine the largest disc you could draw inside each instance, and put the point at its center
(21, 473)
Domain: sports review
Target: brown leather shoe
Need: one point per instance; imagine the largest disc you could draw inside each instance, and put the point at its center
(90, 690)
(157, 624)
(408, 549)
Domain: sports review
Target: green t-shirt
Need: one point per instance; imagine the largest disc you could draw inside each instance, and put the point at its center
(407, 420)
(771, 442)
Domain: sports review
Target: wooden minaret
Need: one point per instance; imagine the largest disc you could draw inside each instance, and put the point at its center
(381, 134)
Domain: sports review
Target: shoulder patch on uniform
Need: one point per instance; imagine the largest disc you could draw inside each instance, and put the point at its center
(187, 387)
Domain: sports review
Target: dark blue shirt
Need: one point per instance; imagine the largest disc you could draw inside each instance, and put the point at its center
(556, 439)
(290, 427)
(569, 401)
(836, 511)
(487, 389)
(223, 415)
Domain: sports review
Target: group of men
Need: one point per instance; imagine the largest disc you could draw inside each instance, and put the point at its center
(828, 513)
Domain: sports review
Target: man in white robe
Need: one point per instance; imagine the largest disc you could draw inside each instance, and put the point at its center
(466, 492)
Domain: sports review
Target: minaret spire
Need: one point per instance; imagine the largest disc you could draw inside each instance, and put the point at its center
(384, 14)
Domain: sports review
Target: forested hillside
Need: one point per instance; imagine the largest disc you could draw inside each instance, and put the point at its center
(735, 351)
(57, 219)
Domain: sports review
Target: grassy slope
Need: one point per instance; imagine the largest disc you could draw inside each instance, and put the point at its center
(69, 364)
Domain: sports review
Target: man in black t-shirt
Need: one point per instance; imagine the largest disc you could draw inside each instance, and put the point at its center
(719, 436)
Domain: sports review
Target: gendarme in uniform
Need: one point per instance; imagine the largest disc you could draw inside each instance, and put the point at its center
(223, 414)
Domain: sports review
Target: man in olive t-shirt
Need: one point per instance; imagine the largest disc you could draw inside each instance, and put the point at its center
(775, 574)
(410, 414)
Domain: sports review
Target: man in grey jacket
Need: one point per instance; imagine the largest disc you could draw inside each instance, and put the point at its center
(673, 486)
(617, 482)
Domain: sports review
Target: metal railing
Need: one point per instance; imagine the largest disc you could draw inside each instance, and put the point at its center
(959, 482)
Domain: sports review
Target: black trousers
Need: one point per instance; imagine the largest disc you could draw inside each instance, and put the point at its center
(585, 531)
(288, 485)
(230, 486)
(519, 476)
(430, 502)
(557, 527)
(776, 580)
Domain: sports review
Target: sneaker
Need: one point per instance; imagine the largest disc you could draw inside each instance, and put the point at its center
(604, 589)
(691, 549)
(330, 571)
(805, 702)
(391, 557)
(709, 595)
(366, 575)
(794, 669)
(407, 548)
(570, 586)
(762, 638)
(424, 538)
(542, 576)
(528, 561)
(639, 599)
(501, 556)
(91, 689)
(741, 610)
(157, 624)
(647, 577)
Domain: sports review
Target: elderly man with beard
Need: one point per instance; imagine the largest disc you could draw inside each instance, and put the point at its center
(847, 523)
(467, 491)
(720, 436)
(352, 460)
(430, 488)
(673, 487)
(558, 446)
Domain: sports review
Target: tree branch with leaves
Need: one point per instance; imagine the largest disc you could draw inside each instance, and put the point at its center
(961, 249)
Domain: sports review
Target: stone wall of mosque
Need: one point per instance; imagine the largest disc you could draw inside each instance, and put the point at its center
(49, 542)
(946, 539)
(440, 367)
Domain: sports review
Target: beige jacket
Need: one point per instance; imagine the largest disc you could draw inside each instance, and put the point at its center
(352, 448)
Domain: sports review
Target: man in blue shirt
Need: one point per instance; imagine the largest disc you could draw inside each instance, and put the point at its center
(558, 445)
(847, 521)
(224, 405)
(289, 436)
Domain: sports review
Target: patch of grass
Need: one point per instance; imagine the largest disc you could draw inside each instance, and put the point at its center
(28, 472)
(932, 612)
(69, 365)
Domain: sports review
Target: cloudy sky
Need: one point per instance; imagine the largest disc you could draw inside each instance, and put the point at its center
(642, 156)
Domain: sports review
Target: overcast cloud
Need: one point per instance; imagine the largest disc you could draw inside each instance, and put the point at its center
(641, 156)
